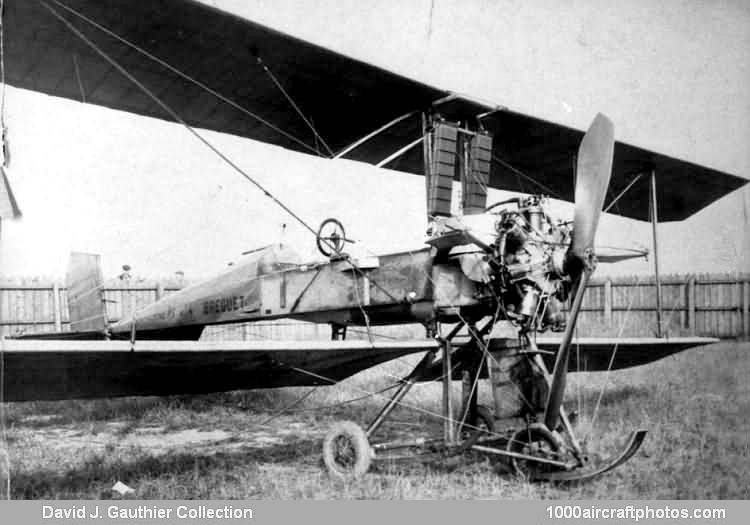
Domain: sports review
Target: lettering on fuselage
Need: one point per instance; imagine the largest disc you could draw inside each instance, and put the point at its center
(224, 304)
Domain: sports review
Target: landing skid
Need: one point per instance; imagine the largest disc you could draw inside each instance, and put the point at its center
(634, 443)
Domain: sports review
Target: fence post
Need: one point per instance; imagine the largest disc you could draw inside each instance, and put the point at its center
(133, 300)
(56, 307)
(691, 304)
(608, 302)
(159, 290)
(746, 309)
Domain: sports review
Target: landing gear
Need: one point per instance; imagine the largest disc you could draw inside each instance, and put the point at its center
(346, 451)
(538, 442)
(482, 426)
(535, 452)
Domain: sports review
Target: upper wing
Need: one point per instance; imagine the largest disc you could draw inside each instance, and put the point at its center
(222, 72)
(343, 98)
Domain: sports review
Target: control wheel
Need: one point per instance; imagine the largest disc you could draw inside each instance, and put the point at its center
(331, 238)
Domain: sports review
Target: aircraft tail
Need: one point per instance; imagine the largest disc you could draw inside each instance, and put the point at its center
(86, 304)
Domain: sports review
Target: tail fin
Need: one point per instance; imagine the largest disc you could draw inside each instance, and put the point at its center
(86, 305)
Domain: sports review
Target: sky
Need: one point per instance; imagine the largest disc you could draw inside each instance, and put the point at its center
(673, 76)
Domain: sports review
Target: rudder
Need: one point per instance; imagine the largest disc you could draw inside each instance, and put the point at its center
(87, 308)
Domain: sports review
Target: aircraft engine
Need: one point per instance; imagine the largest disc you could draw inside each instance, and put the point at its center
(527, 259)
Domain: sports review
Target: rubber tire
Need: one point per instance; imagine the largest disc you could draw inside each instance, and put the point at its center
(358, 445)
(517, 443)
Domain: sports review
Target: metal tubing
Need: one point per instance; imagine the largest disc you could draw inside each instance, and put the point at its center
(557, 386)
(654, 224)
(470, 394)
(399, 152)
(395, 445)
(469, 397)
(409, 382)
(455, 331)
(388, 408)
(449, 431)
(378, 131)
(518, 455)
(577, 449)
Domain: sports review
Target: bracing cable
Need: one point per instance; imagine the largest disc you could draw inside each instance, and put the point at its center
(183, 75)
(172, 113)
(4, 452)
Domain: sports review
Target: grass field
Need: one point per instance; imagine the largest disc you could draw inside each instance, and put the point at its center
(236, 445)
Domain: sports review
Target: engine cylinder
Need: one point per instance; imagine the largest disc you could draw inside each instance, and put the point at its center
(529, 301)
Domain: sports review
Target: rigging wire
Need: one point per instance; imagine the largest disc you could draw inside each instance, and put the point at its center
(294, 105)
(208, 144)
(291, 406)
(519, 173)
(365, 282)
(473, 334)
(172, 113)
(4, 453)
(364, 390)
(182, 75)
(401, 403)
(3, 129)
(609, 367)
(164, 106)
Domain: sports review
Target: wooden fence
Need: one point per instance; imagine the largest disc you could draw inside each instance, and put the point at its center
(704, 305)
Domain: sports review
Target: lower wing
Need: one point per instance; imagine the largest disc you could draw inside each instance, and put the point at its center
(44, 370)
(592, 354)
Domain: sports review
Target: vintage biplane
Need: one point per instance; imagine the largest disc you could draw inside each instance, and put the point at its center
(491, 278)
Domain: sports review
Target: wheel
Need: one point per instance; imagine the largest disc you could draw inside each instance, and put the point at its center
(535, 440)
(331, 238)
(484, 425)
(346, 451)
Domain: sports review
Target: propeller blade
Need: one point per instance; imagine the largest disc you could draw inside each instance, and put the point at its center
(559, 374)
(594, 170)
(592, 180)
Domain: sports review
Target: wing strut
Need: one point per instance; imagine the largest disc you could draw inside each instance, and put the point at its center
(398, 153)
(654, 224)
(373, 134)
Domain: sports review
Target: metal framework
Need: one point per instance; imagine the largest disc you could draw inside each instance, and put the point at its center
(474, 429)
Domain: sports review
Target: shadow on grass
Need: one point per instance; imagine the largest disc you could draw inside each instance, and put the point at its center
(205, 474)
(41, 414)
(100, 471)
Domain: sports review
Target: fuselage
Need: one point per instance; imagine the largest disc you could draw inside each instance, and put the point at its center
(505, 264)
(271, 284)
